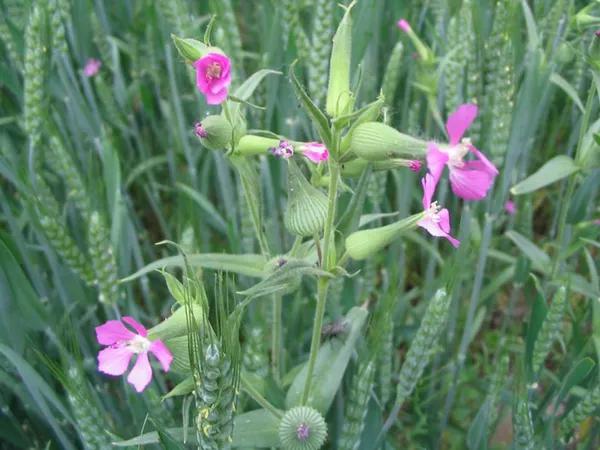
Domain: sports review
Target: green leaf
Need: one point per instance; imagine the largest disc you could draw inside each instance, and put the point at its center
(575, 376)
(182, 388)
(539, 258)
(556, 169)
(247, 88)
(249, 265)
(477, 435)
(212, 215)
(568, 89)
(332, 360)
(258, 428)
(316, 115)
(532, 33)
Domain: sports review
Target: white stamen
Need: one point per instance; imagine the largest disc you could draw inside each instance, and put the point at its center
(139, 344)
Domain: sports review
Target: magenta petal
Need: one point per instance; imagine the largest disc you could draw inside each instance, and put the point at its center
(435, 229)
(114, 360)
(459, 121)
(436, 160)
(216, 99)
(490, 167)
(141, 374)
(113, 331)
(162, 353)
(141, 330)
(428, 183)
(472, 181)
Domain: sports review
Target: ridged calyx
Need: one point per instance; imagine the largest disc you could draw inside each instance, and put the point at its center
(307, 206)
(214, 132)
(302, 428)
(375, 141)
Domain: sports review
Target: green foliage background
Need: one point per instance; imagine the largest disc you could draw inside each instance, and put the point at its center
(95, 171)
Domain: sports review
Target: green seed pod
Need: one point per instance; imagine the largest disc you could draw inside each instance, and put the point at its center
(364, 243)
(251, 145)
(302, 428)
(549, 331)
(375, 141)
(339, 97)
(307, 206)
(215, 132)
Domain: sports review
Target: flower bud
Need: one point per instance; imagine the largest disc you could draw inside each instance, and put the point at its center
(215, 132)
(339, 97)
(251, 145)
(364, 243)
(190, 49)
(376, 141)
(307, 206)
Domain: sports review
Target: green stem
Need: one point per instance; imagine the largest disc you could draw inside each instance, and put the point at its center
(276, 338)
(258, 398)
(322, 283)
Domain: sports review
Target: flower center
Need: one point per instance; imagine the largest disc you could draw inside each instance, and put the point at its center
(138, 344)
(457, 152)
(433, 212)
(303, 432)
(213, 71)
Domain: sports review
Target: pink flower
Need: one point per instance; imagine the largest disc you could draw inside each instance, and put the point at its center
(123, 344)
(284, 150)
(470, 180)
(436, 220)
(315, 151)
(213, 76)
(92, 66)
(403, 25)
(510, 207)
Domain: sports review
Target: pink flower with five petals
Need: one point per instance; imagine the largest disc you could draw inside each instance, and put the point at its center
(213, 77)
(122, 344)
(92, 67)
(470, 180)
(436, 220)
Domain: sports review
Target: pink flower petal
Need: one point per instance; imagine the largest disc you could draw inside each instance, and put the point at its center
(435, 228)
(490, 167)
(436, 160)
(459, 121)
(114, 360)
(428, 184)
(216, 99)
(141, 374)
(403, 25)
(141, 330)
(111, 332)
(472, 181)
(510, 207)
(315, 151)
(162, 353)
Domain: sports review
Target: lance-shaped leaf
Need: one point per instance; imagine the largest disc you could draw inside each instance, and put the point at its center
(339, 96)
(556, 169)
(249, 265)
